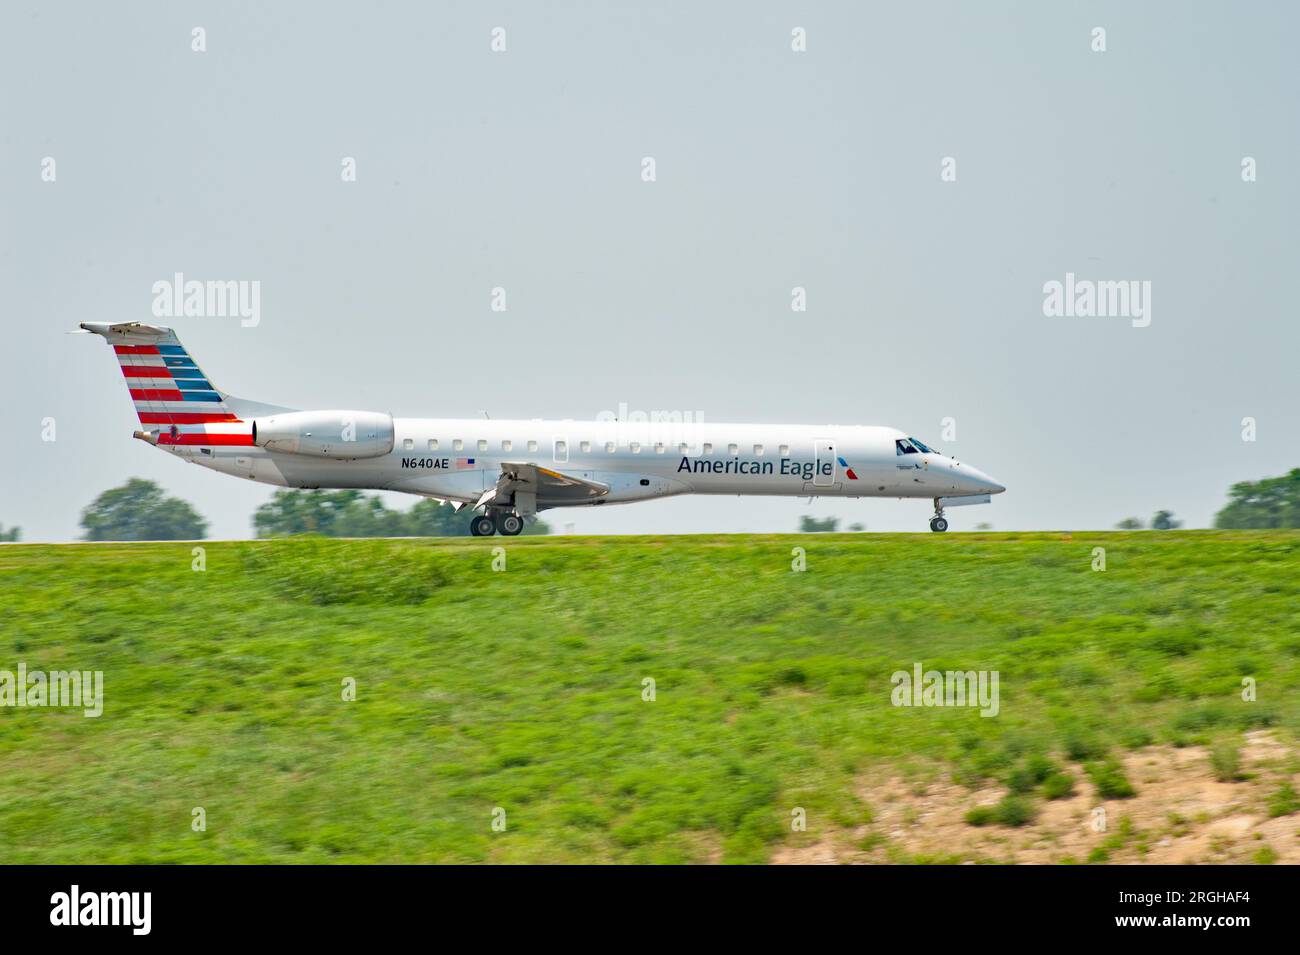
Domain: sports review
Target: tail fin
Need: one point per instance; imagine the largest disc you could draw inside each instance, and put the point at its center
(177, 403)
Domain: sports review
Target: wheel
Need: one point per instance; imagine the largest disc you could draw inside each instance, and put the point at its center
(482, 526)
(510, 524)
(938, 524)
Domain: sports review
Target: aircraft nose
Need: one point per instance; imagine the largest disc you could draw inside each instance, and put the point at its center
(981, 482)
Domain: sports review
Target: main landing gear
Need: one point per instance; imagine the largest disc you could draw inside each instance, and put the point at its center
(505, 523)
(937, 523)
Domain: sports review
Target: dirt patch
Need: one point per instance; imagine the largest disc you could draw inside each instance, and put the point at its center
(1181, 814)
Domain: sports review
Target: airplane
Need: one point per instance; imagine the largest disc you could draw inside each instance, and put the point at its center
(506, 471)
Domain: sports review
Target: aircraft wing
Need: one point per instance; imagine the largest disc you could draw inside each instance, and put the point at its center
(545, 482)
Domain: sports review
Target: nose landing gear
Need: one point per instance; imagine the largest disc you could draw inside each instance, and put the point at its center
(937, 523)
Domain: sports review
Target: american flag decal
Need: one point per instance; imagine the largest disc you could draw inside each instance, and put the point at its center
(464, 462)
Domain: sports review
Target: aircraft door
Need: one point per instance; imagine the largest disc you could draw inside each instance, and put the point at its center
(824, 462)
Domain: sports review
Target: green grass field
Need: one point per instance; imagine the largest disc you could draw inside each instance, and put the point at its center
(522, 689)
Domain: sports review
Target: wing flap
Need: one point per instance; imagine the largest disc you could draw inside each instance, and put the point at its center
(543, 481)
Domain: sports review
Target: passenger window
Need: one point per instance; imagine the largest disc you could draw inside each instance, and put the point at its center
(408, 444)
(506, 444)
(634, 447)
(708, 448)
(733, 449)
(609, 447)
(458, 445)
(659, 447)
(586, 447)
(758, 450)
(532, 445)
(482, 444)
(683, 448)
(785, 450)
(433, 444)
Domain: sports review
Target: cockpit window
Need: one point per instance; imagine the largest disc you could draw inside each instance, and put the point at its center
(911, 446)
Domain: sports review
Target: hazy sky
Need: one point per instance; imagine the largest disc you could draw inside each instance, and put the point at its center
(775, 169)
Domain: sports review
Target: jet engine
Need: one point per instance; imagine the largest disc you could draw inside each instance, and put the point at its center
(326, 434)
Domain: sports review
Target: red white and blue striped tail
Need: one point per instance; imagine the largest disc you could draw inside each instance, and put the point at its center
(177, 403)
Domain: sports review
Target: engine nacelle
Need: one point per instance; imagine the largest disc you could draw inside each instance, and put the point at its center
(326, 434)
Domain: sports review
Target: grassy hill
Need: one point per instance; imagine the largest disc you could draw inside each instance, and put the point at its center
(522, 689)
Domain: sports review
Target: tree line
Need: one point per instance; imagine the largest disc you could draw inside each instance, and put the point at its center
(353, 514)
(140, 510)
(1267, 504)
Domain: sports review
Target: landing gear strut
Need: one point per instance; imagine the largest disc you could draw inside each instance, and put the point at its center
(937, 523)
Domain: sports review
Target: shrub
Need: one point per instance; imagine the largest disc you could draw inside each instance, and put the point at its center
(981, 816)
(1040, 766)
(1058, 786)
(792, 676)
(1081, 746)
(1013, 810)
(1176, 641)
(1108, 776)
(1284, 801)
(1135, 737)
(1021, 780)
(1225, 758)
(1027, 776)
(1202, 718)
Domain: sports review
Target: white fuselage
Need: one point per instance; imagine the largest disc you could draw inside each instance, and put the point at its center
(457, 459)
